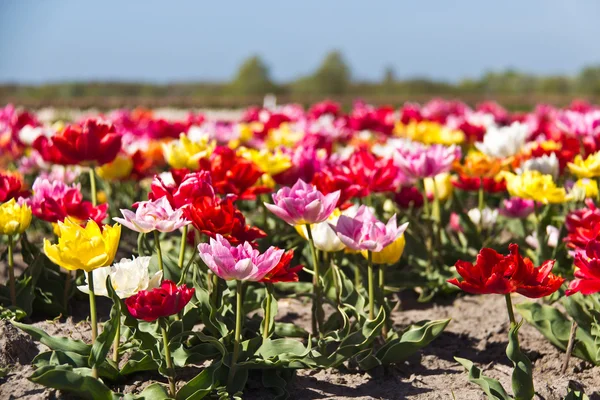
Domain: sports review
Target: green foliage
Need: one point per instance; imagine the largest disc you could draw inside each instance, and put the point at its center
(252, 78)
(491, 387)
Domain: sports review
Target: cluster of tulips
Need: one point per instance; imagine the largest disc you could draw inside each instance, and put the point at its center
(225, 218)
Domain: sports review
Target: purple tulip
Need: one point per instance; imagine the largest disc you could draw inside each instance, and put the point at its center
(303, 204)
(242, 263)
(365, 232)
(517, 208)
(157, 215)
(425, 162)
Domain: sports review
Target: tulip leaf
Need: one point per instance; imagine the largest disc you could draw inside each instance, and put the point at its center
(287, 329)
(54, 343)
(106, 339)
(139, 362)
(556, 327)
(202, 384)
(278, 383)
(105, 370)
(522, 377)
(281, 348)
(415, 337)
(155, 391)
(576, 395)
(209, 315)
(64, 378)
(491, 387)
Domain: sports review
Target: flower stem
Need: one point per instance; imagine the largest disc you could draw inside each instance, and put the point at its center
(158, 252)
(93, 187)
(384, 329)
(237, 333)
(268, 288)
(117, 343)
(67, 290)
(93, 317)
(425, 199)
(11, 271)
(509, 308)
(371, 286)
(481, 205)
(569, 347)
(182, 246)
(171, 370)
(317, 316)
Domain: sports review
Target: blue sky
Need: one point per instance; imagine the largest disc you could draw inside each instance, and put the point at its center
(178, 40)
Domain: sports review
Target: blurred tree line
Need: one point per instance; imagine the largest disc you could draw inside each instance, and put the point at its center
(333, 79)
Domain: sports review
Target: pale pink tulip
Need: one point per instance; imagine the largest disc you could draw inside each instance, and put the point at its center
(157, 215)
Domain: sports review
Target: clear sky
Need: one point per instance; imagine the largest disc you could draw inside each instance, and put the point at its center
(178, 40)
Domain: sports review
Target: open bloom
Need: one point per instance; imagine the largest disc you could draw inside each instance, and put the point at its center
(486, 217)
(582, 226)
(151, 216)
(270, 162)
(163, 301)
(14, 217)
(118, 169)
(425, 162)
(86, 248)
(184, 153)
(283, 272)
(365, 232)
(499, 274)
(183, 189)
(324, 236)
(588, 168)
(242, 263)
(505, 141)
(303, 204)
(517, 207)
(127, 277)
(546, 164)
(11, 187)
(533, 185)
(93, 141)
(587, 270)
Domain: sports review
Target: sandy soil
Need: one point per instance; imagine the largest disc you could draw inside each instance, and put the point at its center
(478, 331)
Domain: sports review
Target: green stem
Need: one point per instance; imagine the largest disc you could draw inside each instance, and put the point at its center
(336, 280)
(158, 252)
(481, 205)
(117, 343)
(182, 246)
(67, 290)
(371, 286)
(11, 271)
(238, 332)
(267, 311)
(317, 316)
(93, 187)
(171, 370)
(509, 308)
(93, 316)
(425, 199)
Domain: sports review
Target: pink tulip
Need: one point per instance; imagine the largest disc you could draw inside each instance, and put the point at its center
(303, 204)
(517, 208)
(365, 232)
(242, 263)
(157, 215)
(425, 162)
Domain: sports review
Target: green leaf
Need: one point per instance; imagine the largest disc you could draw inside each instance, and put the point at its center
(202, 384)
(271, 302)
(104, 340)
(491, 387)
(576, 395)
(287, 329)
(414, 338)
(139, 362)
(282, 348)
(106, 369)
(64, 378)
(156, 391)
(522, 377)
(55, 343)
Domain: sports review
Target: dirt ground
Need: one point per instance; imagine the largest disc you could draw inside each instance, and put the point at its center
(478, 331)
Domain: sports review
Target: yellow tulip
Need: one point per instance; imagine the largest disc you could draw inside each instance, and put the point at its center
(14, 218)
(390, 253)
(184, 153)
(430, 133)
(283, 136)
(85, 248)
(588, 186)
(443, 184)
(118, 169)
(533, 185)
(270, 162)
(588, 168)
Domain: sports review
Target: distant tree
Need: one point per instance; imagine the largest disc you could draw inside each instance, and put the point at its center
(389, 76)
(333, 76)
(252, 78)
(588, 80)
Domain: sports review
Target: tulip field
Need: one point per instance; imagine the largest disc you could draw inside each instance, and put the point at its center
(434, 251)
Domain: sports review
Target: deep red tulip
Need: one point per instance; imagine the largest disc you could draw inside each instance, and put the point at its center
(372, 173)
(49, 207)
(582, 226)
(184, 191)
(326, 107)
(50, 153)
(409, 196)
(94, 141)
(587, 272)
(499, 274)
(11, 187)
(333, 178)
(473, 184)
(213, 216)
(166, 300)
(282, 271)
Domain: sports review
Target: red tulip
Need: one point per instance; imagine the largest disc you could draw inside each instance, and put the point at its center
(407, 196)
(50, 153)
(473, 184)
(582, 226)
(333, 178)
(587, 274)
(499, 274)
(282, 271)
(187, 188)
(11, 187)
(372, 173)
(213, 216)
(166, 300)
(94, 141)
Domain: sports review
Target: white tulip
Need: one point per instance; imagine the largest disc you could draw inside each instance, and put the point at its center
(489, 217)
(127, 277)
(324, 236)
(504, 142)
(552, 233)
(546, 164)
(28, 134)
